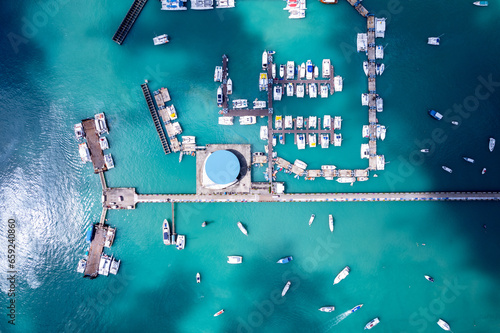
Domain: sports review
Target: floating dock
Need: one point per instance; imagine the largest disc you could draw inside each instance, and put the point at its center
(128, 21)
(103, 236)
(96, 153)
(154, 115)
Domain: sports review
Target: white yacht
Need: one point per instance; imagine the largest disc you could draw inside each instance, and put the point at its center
(312, 140)
(337, 122)
(342, 275)
(173, 5)
(337, 140)
(289, 89)
(181, 242)
(380, 27)
(166, 232)
(445, 168)
(234, 259)
(325, 140)
(220, 97)
(300, 122)
(380, 69)
(364, 99)
(380, 162)
(248, 120)
(172, 113)
(100, 124)
(83, 149)
(433, 40)
(301, 141)
(229, 86)
(444, 325)
(361, 42)
(79, 132)
(263, 133)
(288, 122)
(313, 90)
(365, 150)
(327, 309)
(242, 228)
(259, 104)
(240, 103)
(300, 90)
(225, 4)
(297, 14)
(302, 71)
(273, 71)
(309, 70)
(327, 122)
(311, 220)
(313, 121)
(202, 4)
(277, 93)
(290, 70)
(264, 60)
(285, 289)
(108, 160)
(372, 323)
(115, 266)
(104, 264)
(198, 277)
(282, 71)
(316, 72)
(218, 74)
(377, 128)
(338, 83)
(278, 122)
(274, 141)
(325, 68)
(330, 222)
(382, 132)
(162, 39)
(82, 264)
(346, 180)
(491, 144)
(380, 104)
(366, 131)
(263, 82)
(324, 91)
(226, 120)
(379, 52)
(365, 67)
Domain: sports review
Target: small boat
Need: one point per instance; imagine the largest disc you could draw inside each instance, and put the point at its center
(204, 224)
(379, 52)
(83, 149)
(492, 144)
(229, 86)
(313, 90)
(468, 159)
(325, 68)
(285, 260)
(100, 124)
(259, 104)
(166, 232)
(436, 115)
(285, 289)
(79, 132)
(302, 71)
(220, 97)
(484, 171)
(454, 123)
(356, 308)
(300, 122)
(181, 242)
(364, 99)
(323, 91)
(82, 264)
(316, 71)
(273, 71)
(108, 160)
(115, 266)
(300, 91)
(290, 70)
(429, 278)
(330, 222)
(289, 89)
(325, 140)
(281, 138)
(242, 228)
(198, 278)
(162, 39)
(219, 313)
(248, 120)
(424, 150)
(264, 60)
(282, 71)
(226, 120)
(379, 69)
(342, 275)
(234, 259)
(278, 122)
(433, 40)
(445, 168)
(312, 140)
(301, 141)
(365, 67)
(444, 325)
(309, 70)
(382, 132)
(277, 93)
(481, 3)
(372, 323)
(380, 104)
(263, 82)
(327, 309)
(297, 14)
(240, 103)
(338, 83)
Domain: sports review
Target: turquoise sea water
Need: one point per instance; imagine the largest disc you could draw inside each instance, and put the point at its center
(63, 67)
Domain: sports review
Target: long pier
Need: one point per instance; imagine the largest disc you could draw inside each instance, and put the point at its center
(128, 21)
(154, 115)
(96, 153)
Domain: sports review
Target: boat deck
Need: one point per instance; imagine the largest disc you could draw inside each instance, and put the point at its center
(96, 153)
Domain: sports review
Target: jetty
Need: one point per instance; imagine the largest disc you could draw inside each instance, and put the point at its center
(128, 21)
(154, 115)
(96, 153)
(103, 236)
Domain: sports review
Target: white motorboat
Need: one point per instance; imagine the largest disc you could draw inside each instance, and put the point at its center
(234, 259)
(311, 220)
(372, 323)
(274, 141)
(297, 14)
(219, 313)
(425, 150)
(290, 70)
(108, 160)
(173, 4)
(313, 90)
(104, 264)
(198, 278)
(264, 60)
(259, 104)
(100, 124)
(302, 71)
(263, 82)
(365, 150)
(288, 122)
(226, 120)
(115, 266)
(379, 27)
(433, 40)
(301, 141)
(82, 264)
(312, 122)
(379, 52)
(83, 149)
(278, 122)
(312, 140)
(468, 159)
(225, 4)
(166, 232)
(162, 39)
(218, 74)
(300, 122)
(378, 131)
(172, 113)
(491, 144)
(309, 70)
(338, 83)
(316, 71)
(365, 67)
(330, 222)
(263, 133)
(220, 97)
(277, 93)
(361, 42)
(346, 180)
(229, 86)
(364, 99)
(79, 132)
(248, 120)
(327, 122)
(282, 71)
(445, 168)
(325, 68)
(444, 325)
(484, 171)
(289, 89)
(380, 104)
(382, 132)
(337, 140)
(242, 228)
(429, 278)
(285, 289)
(324, 91)
(366, 131)
(273, 71)
(337, 122)
(327, 309)
(300, 90)
(342, 275)
(325, 140)
(480, 3)
(379, 69)
(181, 242)
(240, 103)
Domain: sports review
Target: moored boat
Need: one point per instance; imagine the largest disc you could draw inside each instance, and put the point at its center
(325, 68)
(289, 89)
(364, 99)
(248, 120)
(79, 132)
(312, 140)
(444, 325)
(290, 70)
(330, 2)
(365, 67)
(323, 91)
(300, 90)
(302, 71)
(108, 160)
(491, 144)
(309, 70)
(103, 142)
(445, 168)
(372, 323)
(115, 266)
(166, 232)
(285, 289)
(285, 260)
(264, 60)
(338, 83)
(220, 97)
(383, 130)
(330, 222)
(379, 52)
(297, 14)
(229, 86)
(327, 309)
(263, 84)
(301, 141)
(316, 71)
(278, 122)
(380, 104)
(82, 264)
(259, 104)
(100, 123)
(337, 122)
(342, 275)
(325, 140)
(242, 228)
(282, 71)
(240, 103)
(273, 71)
(300, 122)
(263, 133)
(288, 122)
(226, 120)
(337, 140)
(84, 152)
(162, 39)
(313, 90)
(277, 93)
(104, 264)
(379, 69)
(181, 242)
(234, 259)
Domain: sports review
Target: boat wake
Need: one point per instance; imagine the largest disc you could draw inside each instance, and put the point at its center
(335, 321)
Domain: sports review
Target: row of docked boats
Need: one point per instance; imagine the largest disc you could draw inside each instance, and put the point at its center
(296, 9)
(305, 71)
(301, 89)
(170, 238)
(379, 68)
(175, 5)
(373, 131)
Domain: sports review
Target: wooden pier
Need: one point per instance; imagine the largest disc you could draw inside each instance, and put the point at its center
(96, 153)
(128, 21)
(154, 115)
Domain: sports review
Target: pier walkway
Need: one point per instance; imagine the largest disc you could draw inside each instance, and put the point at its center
(128, 21)
(154, 115)
(96, 153)
(95, 251)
